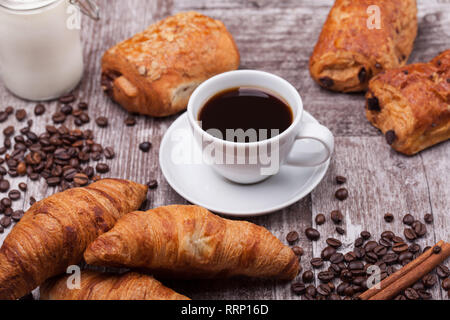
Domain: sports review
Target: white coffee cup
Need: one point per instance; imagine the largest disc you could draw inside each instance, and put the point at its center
(248, 163)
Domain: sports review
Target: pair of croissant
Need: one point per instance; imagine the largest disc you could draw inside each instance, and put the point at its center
(94, 222)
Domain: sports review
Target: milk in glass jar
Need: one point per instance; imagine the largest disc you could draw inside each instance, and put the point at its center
(40, 46)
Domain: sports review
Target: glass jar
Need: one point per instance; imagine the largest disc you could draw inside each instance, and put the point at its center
(40, 47)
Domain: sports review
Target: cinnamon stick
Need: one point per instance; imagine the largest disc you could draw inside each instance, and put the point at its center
(409, 274)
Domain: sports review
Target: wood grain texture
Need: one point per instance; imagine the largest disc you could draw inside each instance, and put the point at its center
(276, 36)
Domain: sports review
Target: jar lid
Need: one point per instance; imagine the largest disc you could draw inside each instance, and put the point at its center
(25, 4)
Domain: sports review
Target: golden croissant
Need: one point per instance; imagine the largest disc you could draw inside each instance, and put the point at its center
(103, 286)
(191, 242)
(55, 232)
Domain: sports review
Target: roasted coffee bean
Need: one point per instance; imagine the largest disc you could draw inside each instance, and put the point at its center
(69, 98)
(23, 186)
(81, 179)
(429, 280)
(152, 184)
(334, 297)
(388, 217)
(335, 243)
(388, 235)
(84, 117)
(21, 114)
(391, 137)
(316, 263)
(308, 276)
(341, 288)
(341, 180)
(437, 249)
(311, 290)
(53, 181)
(446, 284)
(130, 121)
(320, 219)
(32, 201)
(67, 109)
(326, 82)
(6, 202)
(325, 276)
(5, 222)
(327, 252)
(340, 230)
(17, 215)
(298, 251)
(411, 294)
(359, 242)
(335, 269)
(350, 256)
(428, 218)
(371, 257)
(292, 237)
(298, 288)
(83, 106)
(442, 271)
(400, 247)
(390, 258)
(404, 256)
(102, 168)
(400, 297)
(419, 228)
(337, 258)
(397, 239)
(365, 235)
(380, 250)
(424, 295)
(14, 195)
(385, 242)
(408, 219)
(58, 117)
(39, 109)
(312, 234)
(3, 116)
(145, 146)
(356, 265)
(8, 131)
(324, 290)
(9, 110)
(336, 216)
(102, 122)
(414, 248)
(409, 234)
(4, 185)
(341, 194)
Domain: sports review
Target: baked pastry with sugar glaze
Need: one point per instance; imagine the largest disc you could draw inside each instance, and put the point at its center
(349, 53)
(411, 105)
(155, 72)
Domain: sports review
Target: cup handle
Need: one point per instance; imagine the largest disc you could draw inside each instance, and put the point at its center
(313, 131)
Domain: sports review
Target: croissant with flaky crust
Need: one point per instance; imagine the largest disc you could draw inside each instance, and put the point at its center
(360, 39)
(411, 105)
(104, 286)
(155, 72)
(54, 232)
(191, 242)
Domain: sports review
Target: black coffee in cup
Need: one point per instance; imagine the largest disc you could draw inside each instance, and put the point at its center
(245, 115)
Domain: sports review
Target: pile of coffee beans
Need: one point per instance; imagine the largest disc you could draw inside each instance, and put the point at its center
(60, 156)
(344, 274)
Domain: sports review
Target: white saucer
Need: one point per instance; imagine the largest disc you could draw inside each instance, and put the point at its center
(201, 185)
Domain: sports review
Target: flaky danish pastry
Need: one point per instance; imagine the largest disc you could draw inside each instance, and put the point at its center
(54, 233)
(104, 286)
(191, 242)
(352, 49)
(411, 105)
(155, 72)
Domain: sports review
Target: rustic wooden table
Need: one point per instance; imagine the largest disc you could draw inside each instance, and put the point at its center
(278, 37)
